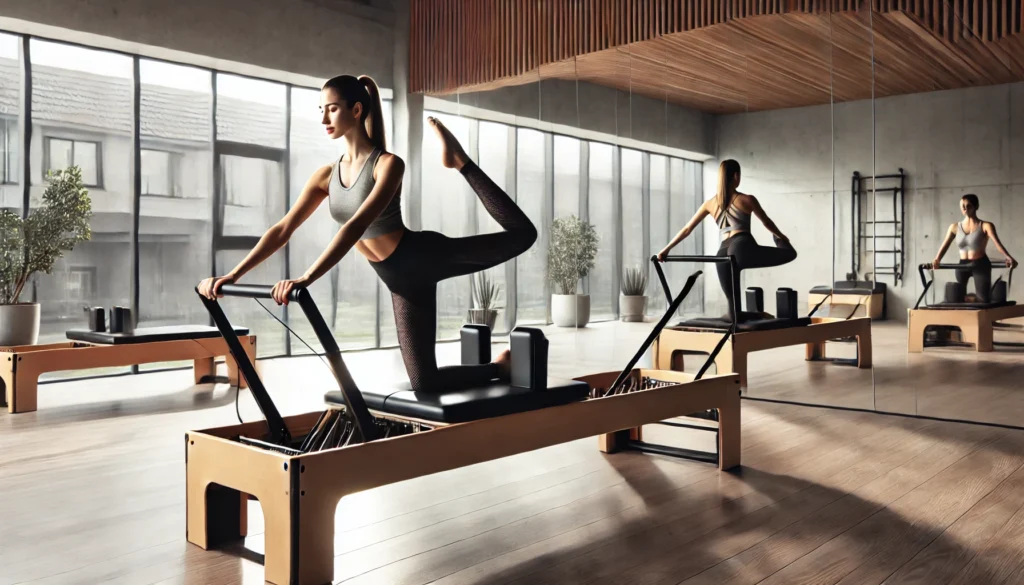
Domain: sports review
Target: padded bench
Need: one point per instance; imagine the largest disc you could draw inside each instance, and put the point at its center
(851, 293)
(21, 366)
(458, 406)
(713, 324)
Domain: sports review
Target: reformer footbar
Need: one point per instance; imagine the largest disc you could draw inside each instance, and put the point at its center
(927, 283)
(356, 410)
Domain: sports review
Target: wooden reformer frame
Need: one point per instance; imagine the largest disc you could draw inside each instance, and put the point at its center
(21, 366)
(976, 325)
(872, 303)
(733, 356)
(299, 492)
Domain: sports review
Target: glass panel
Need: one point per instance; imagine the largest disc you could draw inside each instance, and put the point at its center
(660, 216)
(448, 203)
(251, 111)
(686, 190)
(531, 267)
(567, 176)
(254, 196)
(601, 211)
(99, 111)
(632, 208)
(495, 160)
(175, 234)
(385, 308)
(10, 88)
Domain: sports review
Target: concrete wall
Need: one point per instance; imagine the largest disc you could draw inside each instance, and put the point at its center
(601, 109)
(321, 38)
(949, 143)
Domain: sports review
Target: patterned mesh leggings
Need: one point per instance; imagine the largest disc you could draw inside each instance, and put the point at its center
(424, 258)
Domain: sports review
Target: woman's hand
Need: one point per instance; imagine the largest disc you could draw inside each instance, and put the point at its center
(663, 254)
(935, 263)
(210, 287)
(1010, 262)
(283, 289)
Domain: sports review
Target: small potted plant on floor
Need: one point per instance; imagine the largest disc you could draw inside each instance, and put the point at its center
(571, 258)
(34, 244)
(485, 297)
(633, 301)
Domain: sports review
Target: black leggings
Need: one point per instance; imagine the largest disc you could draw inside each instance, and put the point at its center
(424, 258)
(748, 254)
(981, 270)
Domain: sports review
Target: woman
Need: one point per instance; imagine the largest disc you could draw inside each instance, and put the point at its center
(731, 211)
(972, 235)
(363, 189)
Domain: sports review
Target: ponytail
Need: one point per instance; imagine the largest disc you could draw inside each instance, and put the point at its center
(375, 116)
(723, 197)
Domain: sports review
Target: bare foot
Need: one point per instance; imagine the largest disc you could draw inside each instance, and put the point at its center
(504, 363)
(452, 155)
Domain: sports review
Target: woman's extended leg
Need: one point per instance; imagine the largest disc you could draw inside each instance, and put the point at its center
(459, 256)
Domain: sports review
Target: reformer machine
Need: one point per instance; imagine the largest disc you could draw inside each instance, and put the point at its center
(728, 343)
(299, 467)
(934, 324)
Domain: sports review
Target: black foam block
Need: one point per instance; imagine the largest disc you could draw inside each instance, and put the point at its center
(785, 304)
(755, 299)
(476, 344)
(529, 354)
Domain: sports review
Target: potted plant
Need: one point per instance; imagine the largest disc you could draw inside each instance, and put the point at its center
(633, 301)
(34, 244)
(570, 258)
(485, 295)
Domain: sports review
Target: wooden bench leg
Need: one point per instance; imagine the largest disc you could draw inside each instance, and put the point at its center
(234, 378)
(203, 368)
(980, 334)
(729, 435)
(21, 384)
(864, 349)
(614, 442)
(915, 333)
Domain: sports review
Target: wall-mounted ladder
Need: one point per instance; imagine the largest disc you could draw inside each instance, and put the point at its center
(878, 225)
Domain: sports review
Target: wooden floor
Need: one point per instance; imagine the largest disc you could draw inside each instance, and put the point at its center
(92, 491)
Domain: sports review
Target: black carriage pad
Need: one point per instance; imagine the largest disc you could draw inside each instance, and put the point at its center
(851, 287)
(743, 326)
(150, 334)
(495, 399)
(974, 306)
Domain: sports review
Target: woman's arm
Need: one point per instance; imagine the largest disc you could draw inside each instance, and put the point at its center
(686, 231)
(390, 170)
(990, 230)
(277, 235)
(950, 234)
(767, 221)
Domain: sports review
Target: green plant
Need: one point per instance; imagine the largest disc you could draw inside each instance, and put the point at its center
(634, 281)
(35, 243)
(571, 253)
(485, 292)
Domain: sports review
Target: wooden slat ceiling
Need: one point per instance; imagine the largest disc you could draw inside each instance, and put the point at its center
(720, 56)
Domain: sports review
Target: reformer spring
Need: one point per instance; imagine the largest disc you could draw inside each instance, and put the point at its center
(632, 384)
(333, 430)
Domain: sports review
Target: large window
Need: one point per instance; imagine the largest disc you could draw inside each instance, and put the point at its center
(90, 127)
(11, 196)
(603, 215)
(532, 195)
(632, 207)
(176, 207)
(496, 160)
(567, 176)
(660, 226)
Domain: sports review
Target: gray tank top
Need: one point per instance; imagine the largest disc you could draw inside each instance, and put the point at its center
(345, 201)
(732, 219)
(970, 242)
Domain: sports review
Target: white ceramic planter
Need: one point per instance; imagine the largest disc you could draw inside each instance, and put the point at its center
(632, 308)
(570, 310)
(19, 324)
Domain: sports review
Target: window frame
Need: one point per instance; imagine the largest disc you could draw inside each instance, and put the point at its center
(48, 138)
(174, 160)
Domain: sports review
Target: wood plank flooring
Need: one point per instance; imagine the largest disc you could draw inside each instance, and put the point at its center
(92, 491)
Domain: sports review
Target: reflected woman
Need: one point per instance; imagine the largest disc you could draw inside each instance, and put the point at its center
(972, 236)
(731, 210)
(363, 191)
